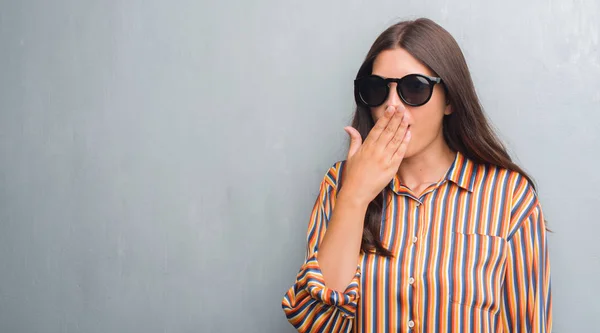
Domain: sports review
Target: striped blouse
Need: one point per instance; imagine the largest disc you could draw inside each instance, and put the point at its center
(470, 255)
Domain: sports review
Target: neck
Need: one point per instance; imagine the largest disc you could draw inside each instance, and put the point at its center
(428, 166)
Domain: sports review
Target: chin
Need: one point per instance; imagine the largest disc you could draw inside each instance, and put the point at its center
(410, 152)
(414, 149)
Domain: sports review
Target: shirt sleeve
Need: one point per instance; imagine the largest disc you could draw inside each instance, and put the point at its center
(309, 305)
(527, 299)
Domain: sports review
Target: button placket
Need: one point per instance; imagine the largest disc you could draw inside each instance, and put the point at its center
(409, 284)
(415, 267)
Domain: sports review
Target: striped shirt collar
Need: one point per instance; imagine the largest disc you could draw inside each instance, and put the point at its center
(461, 173)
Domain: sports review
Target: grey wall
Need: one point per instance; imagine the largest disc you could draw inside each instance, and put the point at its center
(159, 159)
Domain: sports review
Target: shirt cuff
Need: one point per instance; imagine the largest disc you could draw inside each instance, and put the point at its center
(315, 285)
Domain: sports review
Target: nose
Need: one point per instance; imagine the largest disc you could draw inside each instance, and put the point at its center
(393, 99)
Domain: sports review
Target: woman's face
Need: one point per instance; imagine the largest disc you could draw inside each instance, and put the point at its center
(425, 121)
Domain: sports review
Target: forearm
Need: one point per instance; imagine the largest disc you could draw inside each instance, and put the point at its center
(340, 248)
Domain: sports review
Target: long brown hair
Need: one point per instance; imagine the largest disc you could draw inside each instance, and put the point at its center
(465, 130)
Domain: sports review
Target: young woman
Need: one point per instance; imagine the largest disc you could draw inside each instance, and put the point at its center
(427, 226)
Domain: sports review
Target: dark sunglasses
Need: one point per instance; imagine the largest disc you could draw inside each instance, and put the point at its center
(413, 89)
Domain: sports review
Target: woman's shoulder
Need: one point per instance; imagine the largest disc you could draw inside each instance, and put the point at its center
(519, 187)
(493, 173)
(334, 174)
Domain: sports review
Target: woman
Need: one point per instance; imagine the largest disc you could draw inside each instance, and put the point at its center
(435, 229)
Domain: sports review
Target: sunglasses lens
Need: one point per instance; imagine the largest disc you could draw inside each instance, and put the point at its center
(415, 89)
(373, 90)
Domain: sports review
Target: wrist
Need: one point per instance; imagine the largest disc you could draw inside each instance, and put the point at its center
(350, 198)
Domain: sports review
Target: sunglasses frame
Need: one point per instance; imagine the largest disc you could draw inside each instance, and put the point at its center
(431, 79)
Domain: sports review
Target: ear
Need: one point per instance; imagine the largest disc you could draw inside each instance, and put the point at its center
(448, 110)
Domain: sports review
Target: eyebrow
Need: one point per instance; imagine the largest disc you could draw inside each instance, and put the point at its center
(389, 77)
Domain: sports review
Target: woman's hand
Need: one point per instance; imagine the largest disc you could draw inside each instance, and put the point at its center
(371, 165)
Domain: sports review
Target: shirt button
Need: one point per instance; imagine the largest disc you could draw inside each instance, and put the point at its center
(411, 280)
(411, 324)
(415, 239)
